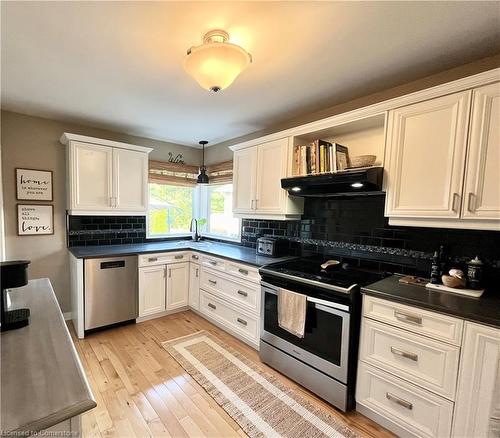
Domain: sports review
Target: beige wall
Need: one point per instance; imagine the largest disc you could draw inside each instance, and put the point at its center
(33, 142)
(485, 64)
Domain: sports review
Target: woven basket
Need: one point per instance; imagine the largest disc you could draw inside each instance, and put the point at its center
(362, 160)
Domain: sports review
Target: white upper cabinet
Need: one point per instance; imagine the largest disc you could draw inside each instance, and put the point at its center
(426, 154)
(482, 173)
(129, 168)
(105, 177)
(257, 174)
(91, 186)
(244, 175)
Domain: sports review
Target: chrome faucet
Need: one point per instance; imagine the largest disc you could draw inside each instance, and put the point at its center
(194, 230)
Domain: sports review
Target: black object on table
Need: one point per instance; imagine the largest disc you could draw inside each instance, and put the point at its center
(13, 274)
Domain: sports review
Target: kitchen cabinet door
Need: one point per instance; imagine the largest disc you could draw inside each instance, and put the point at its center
(177, 285)
(482, 185)
(244, 175)
(91, 182)
(194, 286)
(426, 146)
(151, 290)
(271, 167)
(130, 173)
(477, 408)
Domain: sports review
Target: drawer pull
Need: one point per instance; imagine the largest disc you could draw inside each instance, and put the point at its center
(212, 262)
(152, 259)
(241, 321)
(404, 354)
(212, 306)
(194, 256)
(212, 281)
(243, 271)
(178, 257)
(399, 401)
(243, 293)
(196, 272)
(413, 319)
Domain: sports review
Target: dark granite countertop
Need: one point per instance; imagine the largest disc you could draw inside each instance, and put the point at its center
(485, 310)
(224, 250)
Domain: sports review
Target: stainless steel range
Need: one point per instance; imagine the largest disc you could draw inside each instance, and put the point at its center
(324, 360)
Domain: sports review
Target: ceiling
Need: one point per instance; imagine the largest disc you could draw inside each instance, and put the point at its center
(118, 65)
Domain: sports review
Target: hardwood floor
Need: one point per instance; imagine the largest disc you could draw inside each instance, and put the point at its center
(142, 391)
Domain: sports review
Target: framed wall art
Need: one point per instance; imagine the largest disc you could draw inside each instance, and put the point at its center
(35, 219)
(34, 185)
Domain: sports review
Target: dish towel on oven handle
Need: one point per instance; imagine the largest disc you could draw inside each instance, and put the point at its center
(292, 309)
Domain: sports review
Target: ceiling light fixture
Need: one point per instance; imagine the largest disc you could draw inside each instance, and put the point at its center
(216, 63)
(203, 177)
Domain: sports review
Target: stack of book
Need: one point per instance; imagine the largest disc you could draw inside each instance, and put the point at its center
(320, 157)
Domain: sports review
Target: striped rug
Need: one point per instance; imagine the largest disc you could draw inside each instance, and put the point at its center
(257, 401)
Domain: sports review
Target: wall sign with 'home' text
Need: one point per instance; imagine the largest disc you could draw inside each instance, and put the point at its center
(33, 185)
(35, 219)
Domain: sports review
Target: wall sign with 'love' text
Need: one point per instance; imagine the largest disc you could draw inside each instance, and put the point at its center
(35, 219)
(33, 185)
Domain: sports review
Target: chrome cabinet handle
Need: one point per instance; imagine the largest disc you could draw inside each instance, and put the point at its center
(256, 201)
(405, 354)
(212, 306)
(212, 262)
(243, 293)
(178, 257)
(471, 200)
(251, 204)
(165, 272)
(111, 201)
(399, 401)
(196, 272)
(152, 259)
(243, 271)
(170, 273)
(456, 197)
(194, 256)
(413, 319)
(212, 281)
(241, 321)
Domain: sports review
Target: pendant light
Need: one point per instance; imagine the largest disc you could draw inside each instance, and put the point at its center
(203, 177)
(216, 63)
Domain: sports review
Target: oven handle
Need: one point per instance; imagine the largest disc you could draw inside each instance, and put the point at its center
(320, 304)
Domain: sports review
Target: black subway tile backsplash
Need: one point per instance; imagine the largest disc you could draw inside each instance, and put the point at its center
(357, 227)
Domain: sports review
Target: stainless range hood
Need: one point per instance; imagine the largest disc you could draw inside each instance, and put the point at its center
(354, 182)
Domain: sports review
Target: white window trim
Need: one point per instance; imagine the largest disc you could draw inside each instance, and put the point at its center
(200, 210)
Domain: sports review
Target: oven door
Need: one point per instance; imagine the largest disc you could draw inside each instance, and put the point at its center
(326, 339)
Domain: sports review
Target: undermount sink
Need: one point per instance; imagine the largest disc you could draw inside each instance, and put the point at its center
(186, 243)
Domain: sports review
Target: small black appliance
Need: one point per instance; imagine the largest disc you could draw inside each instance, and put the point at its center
(13, 274)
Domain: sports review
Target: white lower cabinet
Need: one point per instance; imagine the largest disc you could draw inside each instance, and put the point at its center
(194, 286)
(477, 412)
(424, 374)
(151, 290)
(177, 285)
(402, 407)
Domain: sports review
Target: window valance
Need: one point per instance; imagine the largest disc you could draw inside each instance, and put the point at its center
(164, 172)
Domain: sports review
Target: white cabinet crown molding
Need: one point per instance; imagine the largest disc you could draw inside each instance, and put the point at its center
(67, 137)
(378, 108)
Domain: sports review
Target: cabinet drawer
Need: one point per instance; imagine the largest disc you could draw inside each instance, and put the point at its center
(244, 272)
(238, 292)
(442, 327)
(410, 409)
(420, 360)
(213, 262)
(229, 317)
(163, 258)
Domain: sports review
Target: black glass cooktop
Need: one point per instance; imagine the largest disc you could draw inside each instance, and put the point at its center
(326, 270)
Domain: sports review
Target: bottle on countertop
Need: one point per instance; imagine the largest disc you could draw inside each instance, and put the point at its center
(443, 261)
(474, 273)
(435, 277)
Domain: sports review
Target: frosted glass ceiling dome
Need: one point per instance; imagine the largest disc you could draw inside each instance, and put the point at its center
(216, 63)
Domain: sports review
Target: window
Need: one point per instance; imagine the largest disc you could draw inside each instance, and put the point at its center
(171, 208)
(218, 203)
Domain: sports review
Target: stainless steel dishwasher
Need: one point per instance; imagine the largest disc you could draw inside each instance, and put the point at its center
(111, 291)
